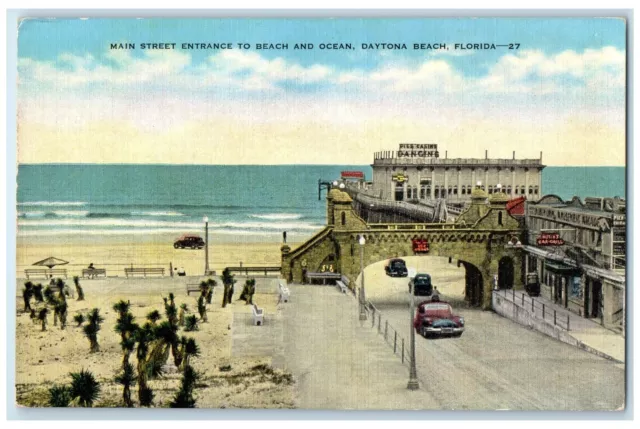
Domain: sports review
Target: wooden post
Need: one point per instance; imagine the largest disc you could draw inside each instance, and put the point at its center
(523, 300)
(554, 317)
(532, 307)
(403, 350)
(395, 341)
(567, 322)
(386, 328)
(543, 311)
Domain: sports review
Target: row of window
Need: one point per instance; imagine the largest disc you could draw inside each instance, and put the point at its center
(442, 192)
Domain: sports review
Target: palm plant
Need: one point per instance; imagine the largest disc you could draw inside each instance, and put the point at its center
(251, 289)
(191, 323)
(79, 319)
(59, 396)
(227, 281)
(211, 283)
(122, 307)
(154, 316)
(189, 349)
(170, 310)
(61, 308)
(60, 285)
(143, 336)
(92, 328)
(84, 387)
(184, 398)
(42, 317)
(166, 338)
(126, 378)
(126, 327)
(202, 308)
(37, 292)
(27, 293)
(183, 310)
(79, 291)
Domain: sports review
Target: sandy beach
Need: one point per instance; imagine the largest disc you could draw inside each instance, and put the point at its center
(47, 358)
(114, 255)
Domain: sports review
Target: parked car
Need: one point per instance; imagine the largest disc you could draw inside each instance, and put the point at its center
(436, 319)
(396, 268)
(189, 241)
(421, 285)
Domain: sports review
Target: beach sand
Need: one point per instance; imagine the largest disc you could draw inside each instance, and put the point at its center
(47, 358)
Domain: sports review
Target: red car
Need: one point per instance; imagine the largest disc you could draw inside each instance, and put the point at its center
(436, 319)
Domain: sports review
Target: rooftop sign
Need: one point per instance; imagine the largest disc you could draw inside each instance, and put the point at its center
(413, 150)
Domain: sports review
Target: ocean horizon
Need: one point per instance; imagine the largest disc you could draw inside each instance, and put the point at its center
(243, 203)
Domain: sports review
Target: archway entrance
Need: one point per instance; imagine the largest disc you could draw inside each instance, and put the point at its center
(505, 273)
(399, 193)
(474, 287)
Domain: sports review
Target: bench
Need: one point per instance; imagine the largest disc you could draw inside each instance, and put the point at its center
(258, 315)
(260, 270)
(195, 287)
(45, 273)
(92, 273)
(143, 271)
(284, 292)
(311, 276)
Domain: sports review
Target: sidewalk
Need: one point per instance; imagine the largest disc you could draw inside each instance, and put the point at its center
(591, 336)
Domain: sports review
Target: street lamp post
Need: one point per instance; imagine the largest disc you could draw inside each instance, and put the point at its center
(206, 245)
(413, 373)
(363, 314)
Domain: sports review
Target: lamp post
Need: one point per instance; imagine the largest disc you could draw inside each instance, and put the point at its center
(413, 373)
(206, 244)
(363, 314)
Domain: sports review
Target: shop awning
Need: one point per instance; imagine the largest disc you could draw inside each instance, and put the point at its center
(560, 268)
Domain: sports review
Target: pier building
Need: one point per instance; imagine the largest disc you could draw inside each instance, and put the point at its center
(417, 172)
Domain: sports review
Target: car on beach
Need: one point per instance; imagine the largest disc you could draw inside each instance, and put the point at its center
(421, 285)
(436, 319)
(189, 242)
(396, 268)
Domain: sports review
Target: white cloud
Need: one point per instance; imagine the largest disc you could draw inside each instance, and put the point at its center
(534, 71)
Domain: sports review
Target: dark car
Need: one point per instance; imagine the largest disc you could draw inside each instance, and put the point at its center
(189, 241)
(421, 285)
(436, 319)
(396, 268)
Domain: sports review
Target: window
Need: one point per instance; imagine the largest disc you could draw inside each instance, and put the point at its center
(530, 190)
(422, 193)
(455, 190)
(343, 218)
(535, 190)
(509, 190)
(490, 189)
(463, 190)
(500, 218)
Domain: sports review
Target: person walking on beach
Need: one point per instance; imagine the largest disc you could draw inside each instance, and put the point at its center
(284, 237)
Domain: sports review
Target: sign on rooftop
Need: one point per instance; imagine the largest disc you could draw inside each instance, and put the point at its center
(418, 150)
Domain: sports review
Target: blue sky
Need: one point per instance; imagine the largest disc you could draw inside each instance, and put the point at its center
(567, 75)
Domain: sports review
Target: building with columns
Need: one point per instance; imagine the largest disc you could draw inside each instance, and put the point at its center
(417, 172)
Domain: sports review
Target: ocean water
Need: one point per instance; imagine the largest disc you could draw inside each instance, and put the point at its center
(243, 203)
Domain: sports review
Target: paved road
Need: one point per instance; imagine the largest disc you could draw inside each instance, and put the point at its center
(339, 362)
(498, 364)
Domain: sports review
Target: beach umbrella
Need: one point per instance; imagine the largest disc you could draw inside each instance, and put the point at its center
(51, 262)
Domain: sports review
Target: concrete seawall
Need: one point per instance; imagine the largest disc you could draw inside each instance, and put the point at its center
(511, 311)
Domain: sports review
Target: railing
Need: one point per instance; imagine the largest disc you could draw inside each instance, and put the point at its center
(383, 160)
(536, 308)
(617, 316)
(391, 335)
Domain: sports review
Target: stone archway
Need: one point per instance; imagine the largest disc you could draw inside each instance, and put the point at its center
(474, 285)
(506, 273)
